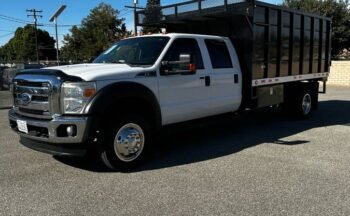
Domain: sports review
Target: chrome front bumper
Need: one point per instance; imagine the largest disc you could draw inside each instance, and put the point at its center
(47, 130)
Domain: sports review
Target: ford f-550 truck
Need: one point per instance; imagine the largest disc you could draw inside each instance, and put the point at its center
(223, 56)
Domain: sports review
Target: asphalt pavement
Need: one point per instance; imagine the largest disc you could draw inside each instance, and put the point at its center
(5, 99)
(260, 163)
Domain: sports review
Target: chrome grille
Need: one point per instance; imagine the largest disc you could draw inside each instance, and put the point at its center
(32, 99)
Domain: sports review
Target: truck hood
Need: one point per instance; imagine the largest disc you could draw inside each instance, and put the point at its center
(94, 72)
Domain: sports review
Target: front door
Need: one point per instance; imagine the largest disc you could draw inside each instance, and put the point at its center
(183, 96)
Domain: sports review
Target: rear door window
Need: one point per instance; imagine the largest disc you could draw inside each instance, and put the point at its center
(219, 55)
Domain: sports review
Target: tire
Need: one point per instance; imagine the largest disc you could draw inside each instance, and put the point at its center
(304, 104)
(128, 143)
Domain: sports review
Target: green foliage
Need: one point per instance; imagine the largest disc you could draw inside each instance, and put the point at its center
(1, 55)
(21, 47)
(343, 55)
(153, 15)
(338, 10)
(97, 32)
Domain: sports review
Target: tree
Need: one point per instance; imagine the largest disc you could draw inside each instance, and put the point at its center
(153, 15)
(22, 46)
(2, 55)
(72, 49)
(338, 10)
(97, 32)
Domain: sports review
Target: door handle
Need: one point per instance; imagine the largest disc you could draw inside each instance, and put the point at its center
(236, 78)
(207, 80)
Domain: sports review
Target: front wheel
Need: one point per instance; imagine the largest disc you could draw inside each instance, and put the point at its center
(127, 143)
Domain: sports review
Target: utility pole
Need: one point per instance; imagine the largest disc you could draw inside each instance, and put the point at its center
(34, 13)
(135, 18)
(135, 14)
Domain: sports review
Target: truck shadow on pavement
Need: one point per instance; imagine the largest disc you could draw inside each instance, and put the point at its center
(225, 135)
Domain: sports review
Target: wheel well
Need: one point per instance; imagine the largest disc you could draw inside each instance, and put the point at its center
(297, 86)
(292, 89)
(116, 99)
(133, 105)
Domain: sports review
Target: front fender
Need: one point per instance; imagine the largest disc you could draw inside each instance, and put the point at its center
(107, 97)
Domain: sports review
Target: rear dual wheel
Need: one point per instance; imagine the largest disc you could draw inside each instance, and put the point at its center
(304, 104)
(301, 101)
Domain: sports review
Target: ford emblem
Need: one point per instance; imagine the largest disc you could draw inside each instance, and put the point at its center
(23, 99)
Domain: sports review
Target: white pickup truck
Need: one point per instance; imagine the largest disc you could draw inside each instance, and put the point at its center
(117, 105)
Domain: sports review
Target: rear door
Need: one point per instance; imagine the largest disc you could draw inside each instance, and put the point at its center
(225, 76)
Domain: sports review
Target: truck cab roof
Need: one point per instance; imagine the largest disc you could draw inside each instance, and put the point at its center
(182, 35)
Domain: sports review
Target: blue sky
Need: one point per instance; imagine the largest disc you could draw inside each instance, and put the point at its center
(75, 11)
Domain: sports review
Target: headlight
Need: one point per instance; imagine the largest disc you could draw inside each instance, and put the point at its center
(75, 96)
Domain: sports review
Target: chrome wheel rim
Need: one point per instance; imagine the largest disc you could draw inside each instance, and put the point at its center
(306, 104)
(129, 142)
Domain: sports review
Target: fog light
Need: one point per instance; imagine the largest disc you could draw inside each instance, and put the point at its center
(71, 131)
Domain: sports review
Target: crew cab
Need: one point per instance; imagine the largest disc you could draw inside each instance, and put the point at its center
(117, 105)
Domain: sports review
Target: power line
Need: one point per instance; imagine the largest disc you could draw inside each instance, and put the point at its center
(52, 25)
(51, 33)
(126, 13)
(125, 9)
(13, 19)
(2, 30)
(1, 36)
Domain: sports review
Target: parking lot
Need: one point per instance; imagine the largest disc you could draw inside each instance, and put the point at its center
(260, 163)
(5, 100)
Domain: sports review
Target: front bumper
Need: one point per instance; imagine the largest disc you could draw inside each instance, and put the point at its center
(45, 136)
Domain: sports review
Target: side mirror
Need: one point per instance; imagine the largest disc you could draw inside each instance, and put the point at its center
(183, 66)
(185, 58)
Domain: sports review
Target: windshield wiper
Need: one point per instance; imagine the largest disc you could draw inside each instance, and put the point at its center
(131, 64)
(121, 62)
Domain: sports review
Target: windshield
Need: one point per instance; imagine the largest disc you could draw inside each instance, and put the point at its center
(142, 51)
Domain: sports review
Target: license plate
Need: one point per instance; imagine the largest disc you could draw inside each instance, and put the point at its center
(22, 126)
